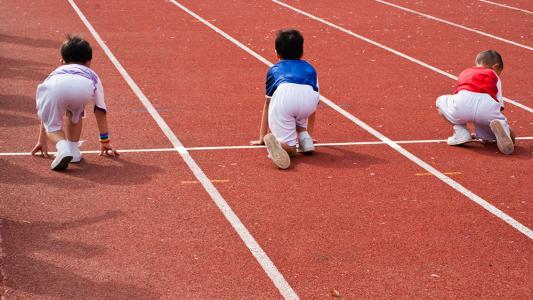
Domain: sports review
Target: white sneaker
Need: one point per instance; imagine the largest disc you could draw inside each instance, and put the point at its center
(76, 153)
(306, 145)
(503, 137)
(279, 156)
(461, 135)
(63, 156)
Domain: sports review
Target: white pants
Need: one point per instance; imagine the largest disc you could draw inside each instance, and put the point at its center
(465, 107)
(290, 106)
(59, 94)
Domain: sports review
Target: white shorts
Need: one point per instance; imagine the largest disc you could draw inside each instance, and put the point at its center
(59, 94)
(478, 108)
(290, 106)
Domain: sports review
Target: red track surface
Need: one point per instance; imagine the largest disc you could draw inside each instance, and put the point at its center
(359, 219)
(505, 23)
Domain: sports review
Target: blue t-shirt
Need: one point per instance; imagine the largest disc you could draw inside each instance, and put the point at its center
(290, 71)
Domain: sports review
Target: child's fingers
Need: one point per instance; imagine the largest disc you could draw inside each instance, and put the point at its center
(35, 150)
(256, 143)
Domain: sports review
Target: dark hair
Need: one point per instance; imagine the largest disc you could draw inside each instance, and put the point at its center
(489, 58)
(289, 44)
(76, 49)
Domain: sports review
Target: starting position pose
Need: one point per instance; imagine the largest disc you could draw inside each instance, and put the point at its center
(478, 99)
(65, 92)
(291, 101)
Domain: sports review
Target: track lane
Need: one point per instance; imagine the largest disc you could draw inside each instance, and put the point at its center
(503, 23)
(520, 5)
(350, 223)
(523, 4)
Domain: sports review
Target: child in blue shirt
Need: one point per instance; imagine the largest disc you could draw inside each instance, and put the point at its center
(291, 101)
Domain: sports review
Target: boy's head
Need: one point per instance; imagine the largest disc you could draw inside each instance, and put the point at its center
(490, 59)
(75, 49)
(289, 44)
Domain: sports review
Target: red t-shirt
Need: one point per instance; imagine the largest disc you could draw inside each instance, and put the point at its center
(479, 80)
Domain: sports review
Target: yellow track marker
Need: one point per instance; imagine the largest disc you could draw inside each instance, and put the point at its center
(213, 181)
(445, 173)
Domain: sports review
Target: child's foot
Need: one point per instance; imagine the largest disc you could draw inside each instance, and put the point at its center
(306, 145)
(63, 156)
(461, 135)
(503, 138)
(279, 156)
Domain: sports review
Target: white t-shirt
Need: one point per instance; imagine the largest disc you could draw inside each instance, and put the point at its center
(81, 70)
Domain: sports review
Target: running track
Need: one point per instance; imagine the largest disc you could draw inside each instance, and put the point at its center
(360, 219)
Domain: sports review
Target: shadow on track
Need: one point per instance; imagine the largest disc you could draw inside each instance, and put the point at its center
(31, 42)
(337, 158)
(17, 111)
(23, 69)
(84, 175)
(27, 273)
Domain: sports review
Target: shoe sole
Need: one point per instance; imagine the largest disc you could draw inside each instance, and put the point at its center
(63, 163)
(458, 143)
(279, 156)
(75, 161)
(503, 140)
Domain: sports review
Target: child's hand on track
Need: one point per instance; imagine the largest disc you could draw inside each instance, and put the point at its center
(257, 143)
(43, 147)
(107, 149)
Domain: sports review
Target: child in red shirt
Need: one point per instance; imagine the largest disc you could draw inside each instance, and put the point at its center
(478, 99)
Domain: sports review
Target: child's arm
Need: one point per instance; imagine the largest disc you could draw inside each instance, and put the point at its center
(42, 142)
(105, 142)
(311, 123)
(264, 125)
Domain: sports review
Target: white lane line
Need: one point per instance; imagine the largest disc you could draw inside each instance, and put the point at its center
(212, 148)
(410, 58)
(457, 25)
(455, 185)
(507, 6)
(250, 242)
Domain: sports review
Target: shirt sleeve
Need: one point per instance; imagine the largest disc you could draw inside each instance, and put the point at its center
(99, 101)
(270, 83)
(499, 95)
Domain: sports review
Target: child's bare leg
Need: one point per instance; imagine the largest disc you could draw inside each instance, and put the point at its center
(290, 149)
(73, 130)
(73, 133)
(56, 136)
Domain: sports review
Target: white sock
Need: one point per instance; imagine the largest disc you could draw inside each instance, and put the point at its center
(73, 145)
(303, 135)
